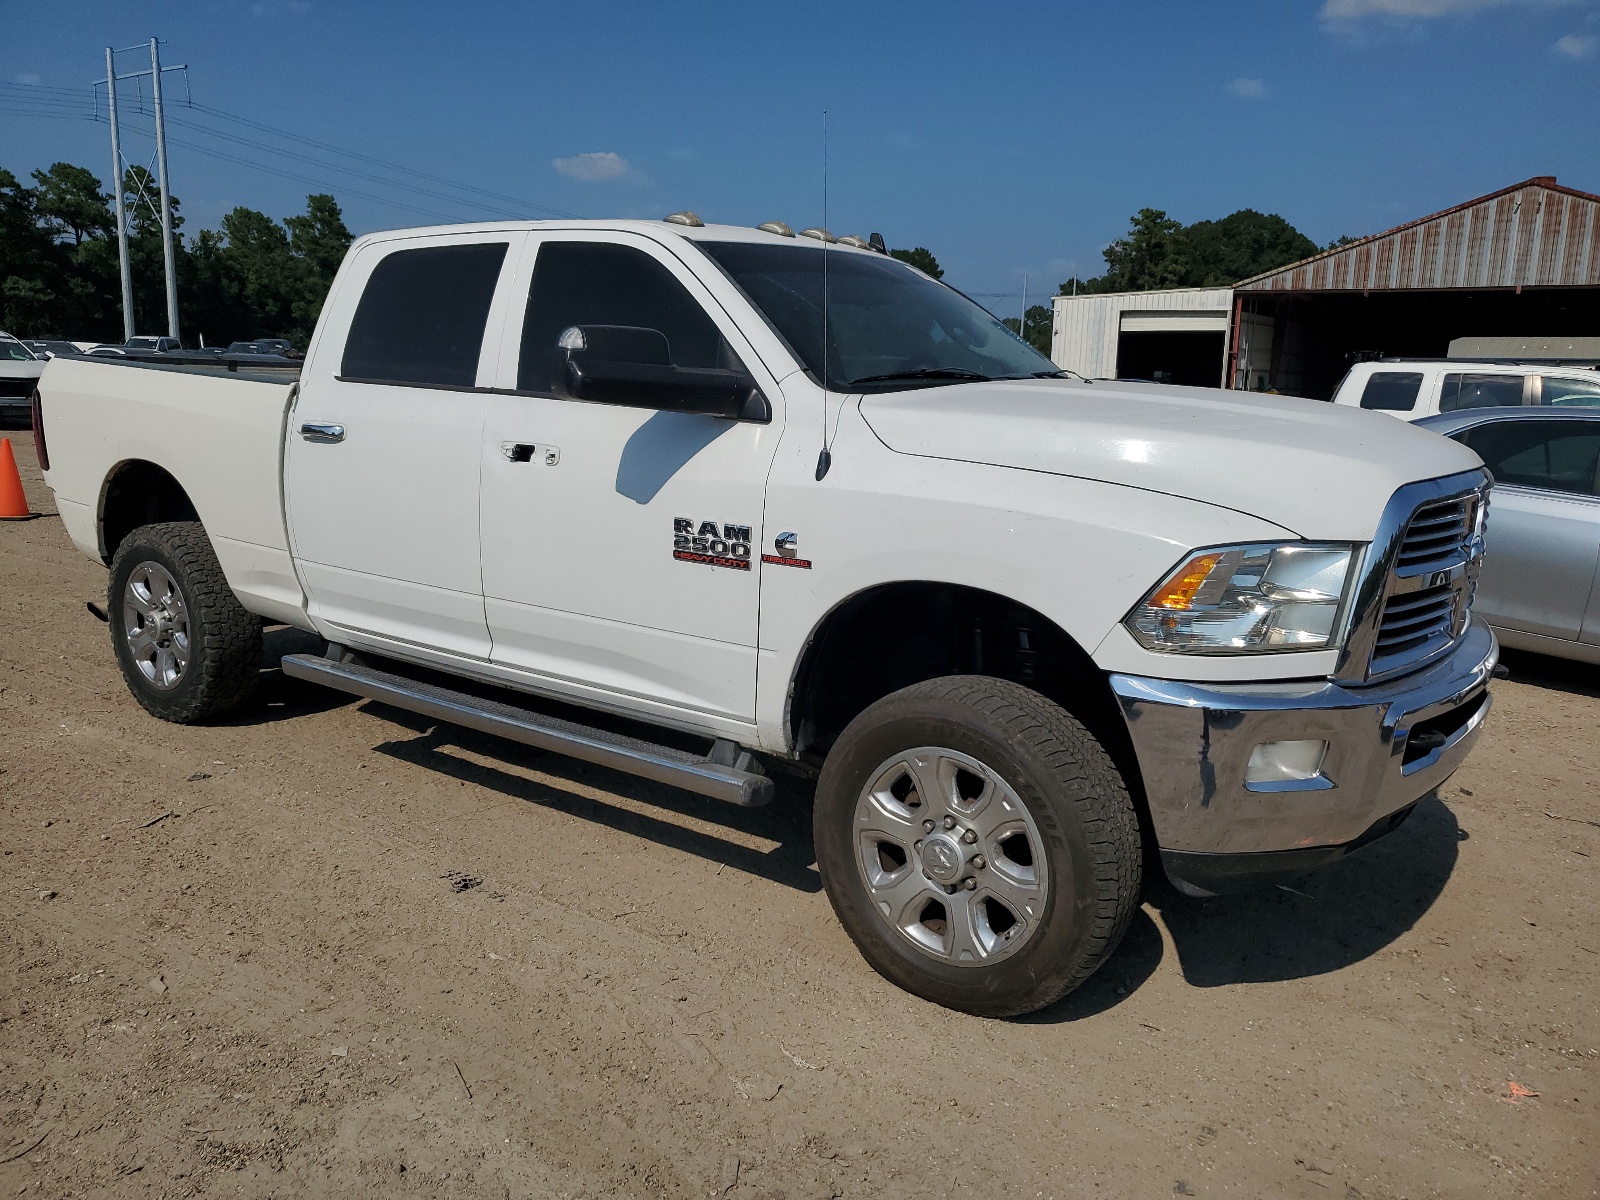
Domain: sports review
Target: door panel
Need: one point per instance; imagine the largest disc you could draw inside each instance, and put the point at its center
(384, 516)
(1539, 561)
(579, 574)
(621, 545)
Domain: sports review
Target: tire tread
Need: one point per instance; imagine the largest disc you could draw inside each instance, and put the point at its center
(225, 637)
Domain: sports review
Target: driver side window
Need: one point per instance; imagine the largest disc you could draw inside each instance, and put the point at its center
(601, 283)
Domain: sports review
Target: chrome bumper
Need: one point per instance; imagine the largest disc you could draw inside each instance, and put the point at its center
(1389, 745)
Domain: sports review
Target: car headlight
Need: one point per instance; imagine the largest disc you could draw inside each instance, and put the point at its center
(1247, 599)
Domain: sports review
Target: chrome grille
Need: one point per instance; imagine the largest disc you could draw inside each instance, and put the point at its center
(1410, 621)
(1437, 532)
(1430, 584)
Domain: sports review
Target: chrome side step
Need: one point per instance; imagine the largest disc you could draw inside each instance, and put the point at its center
(664, 764)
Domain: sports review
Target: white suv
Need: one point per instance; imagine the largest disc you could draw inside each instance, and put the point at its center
(1413, 389)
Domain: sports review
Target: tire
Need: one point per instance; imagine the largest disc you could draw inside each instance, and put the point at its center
(187, 648)
(1054, 845)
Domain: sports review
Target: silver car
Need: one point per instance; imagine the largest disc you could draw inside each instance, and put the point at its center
(1540, 587)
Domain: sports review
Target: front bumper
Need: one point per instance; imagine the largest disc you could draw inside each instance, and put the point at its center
(1389, 745)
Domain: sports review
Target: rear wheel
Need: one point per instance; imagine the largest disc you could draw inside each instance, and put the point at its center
(188, 649)
(977, 844)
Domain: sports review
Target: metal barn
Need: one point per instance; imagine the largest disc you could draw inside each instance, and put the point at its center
(1518, 265)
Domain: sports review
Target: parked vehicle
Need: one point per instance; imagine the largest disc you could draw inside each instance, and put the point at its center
(1008, 618)
(20, 369)
(1413, 389)
(275, 346)
(1540, 587)
(160, 345)
(48, 348)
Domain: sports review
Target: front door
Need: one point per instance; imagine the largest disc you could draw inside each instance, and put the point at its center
(622, 544)
(383, 447)
(1543, 538)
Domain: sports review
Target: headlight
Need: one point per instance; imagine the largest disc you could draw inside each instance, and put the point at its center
(1247, 599)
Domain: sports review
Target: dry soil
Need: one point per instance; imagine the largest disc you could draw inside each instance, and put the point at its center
(324, 947)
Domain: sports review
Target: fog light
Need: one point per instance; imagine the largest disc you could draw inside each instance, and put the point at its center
(1285, 762)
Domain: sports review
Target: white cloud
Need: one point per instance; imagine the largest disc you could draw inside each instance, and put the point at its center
(29, 80)
(594, 167)
(1574, 46)
(1249, 89)
(1354, 10)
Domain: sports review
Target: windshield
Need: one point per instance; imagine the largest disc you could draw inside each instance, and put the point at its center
(889, 325)
(12, 349)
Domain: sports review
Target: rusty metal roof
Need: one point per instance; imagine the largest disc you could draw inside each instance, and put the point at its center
(1531, 234)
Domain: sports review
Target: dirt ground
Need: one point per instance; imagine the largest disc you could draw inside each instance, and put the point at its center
(326, 948)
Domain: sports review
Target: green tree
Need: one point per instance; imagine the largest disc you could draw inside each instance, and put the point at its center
(267, 274)
(319, 240)
(922, 259)
(29, 260)
(71, 202)
(1039, 329)
(1242, 245)
(1153, 254)
(1160, 252)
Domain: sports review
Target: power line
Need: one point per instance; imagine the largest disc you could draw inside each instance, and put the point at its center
(59, 103)
(367, 158)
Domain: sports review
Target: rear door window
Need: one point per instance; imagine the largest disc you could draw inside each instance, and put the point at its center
(1480, 391)
(1578, 393)
(1392, 391)
(602, 283)
(1556, 456)
(421, 319)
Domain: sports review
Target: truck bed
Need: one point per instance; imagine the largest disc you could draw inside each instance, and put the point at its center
(218, 432)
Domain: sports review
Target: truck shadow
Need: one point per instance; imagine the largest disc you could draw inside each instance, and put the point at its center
(1323, 922)
(1339, 915)
(786, 821)
(1556, 674)
(277, 696)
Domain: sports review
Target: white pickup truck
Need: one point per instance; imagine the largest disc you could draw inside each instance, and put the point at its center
(1033, 635)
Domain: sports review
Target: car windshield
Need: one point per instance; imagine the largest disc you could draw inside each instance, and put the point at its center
(889, 325)
(14, 350)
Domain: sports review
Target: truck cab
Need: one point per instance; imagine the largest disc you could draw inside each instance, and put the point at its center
(1413, 389)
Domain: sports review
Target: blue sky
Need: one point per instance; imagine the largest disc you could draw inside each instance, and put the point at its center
(1008, 139)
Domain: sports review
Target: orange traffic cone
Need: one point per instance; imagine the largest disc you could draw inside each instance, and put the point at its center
(13, 502)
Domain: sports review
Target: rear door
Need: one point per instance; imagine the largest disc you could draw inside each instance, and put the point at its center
(1543, 544)
(1484, 389)
(1570, 391)
(381, 470)
(621, 543)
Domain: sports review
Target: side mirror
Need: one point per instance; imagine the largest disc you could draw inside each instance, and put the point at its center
(630, 365)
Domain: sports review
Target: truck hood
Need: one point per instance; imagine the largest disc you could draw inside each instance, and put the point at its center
(1323, 471)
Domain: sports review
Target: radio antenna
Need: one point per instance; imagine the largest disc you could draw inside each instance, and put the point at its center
(825, 458)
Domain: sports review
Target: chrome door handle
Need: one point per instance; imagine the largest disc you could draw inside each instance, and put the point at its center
(316, 431)
(529, 452)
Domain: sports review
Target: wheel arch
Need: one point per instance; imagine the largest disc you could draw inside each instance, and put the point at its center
(891, 635)
(138, 492)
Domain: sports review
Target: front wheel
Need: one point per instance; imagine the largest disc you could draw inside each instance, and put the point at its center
(188, 649)
(977, 844)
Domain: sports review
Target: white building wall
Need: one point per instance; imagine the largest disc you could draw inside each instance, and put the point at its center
(1085, 329)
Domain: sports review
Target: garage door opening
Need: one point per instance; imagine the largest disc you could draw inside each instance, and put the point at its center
(1192, 357)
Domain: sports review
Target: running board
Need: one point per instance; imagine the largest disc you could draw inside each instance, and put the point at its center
(664, 764)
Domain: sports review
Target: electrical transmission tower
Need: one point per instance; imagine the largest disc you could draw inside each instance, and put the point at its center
(168, 254)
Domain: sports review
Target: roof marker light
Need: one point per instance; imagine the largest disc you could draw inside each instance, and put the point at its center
(821, 235)
(860, 243)
(777, 227)
(684, 218)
